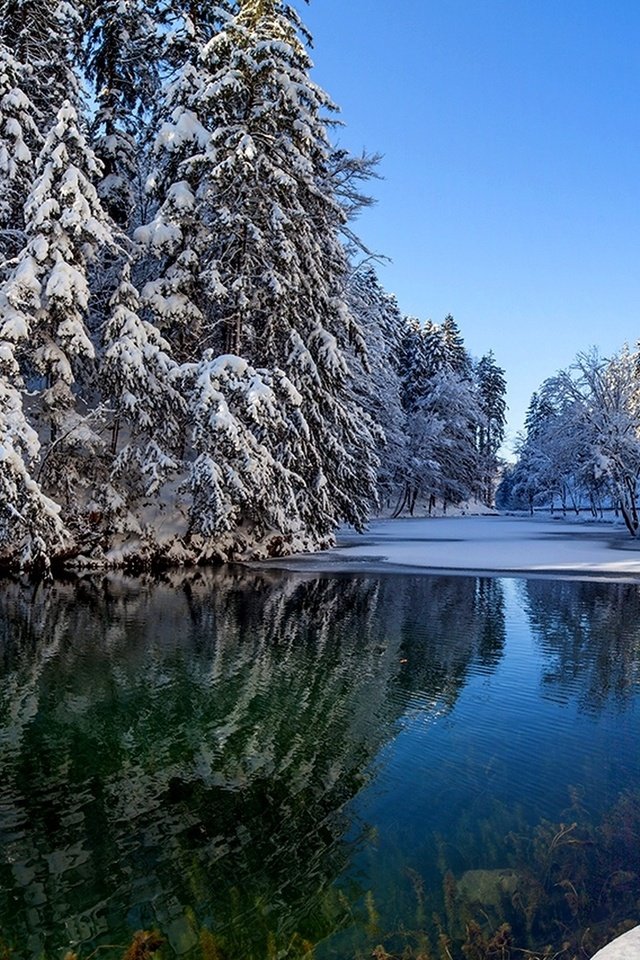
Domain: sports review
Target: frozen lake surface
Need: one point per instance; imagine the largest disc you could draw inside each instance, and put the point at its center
(485, 545)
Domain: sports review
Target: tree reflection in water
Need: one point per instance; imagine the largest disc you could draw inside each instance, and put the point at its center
(181, 753)
(590, 635)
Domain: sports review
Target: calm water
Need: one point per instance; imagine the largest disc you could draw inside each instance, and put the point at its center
(257, 763)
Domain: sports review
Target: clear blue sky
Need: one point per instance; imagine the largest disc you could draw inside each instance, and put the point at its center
(510, 131)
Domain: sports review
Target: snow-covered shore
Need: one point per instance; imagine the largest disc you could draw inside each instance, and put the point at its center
(626, 947)
(493, 544)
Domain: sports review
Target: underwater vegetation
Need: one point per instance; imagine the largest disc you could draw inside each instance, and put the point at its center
(144, 945)
(566, 889)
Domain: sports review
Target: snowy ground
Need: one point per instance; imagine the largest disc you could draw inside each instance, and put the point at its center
(626, 947)
(492, 544)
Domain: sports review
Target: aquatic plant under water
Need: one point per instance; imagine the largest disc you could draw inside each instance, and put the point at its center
(566, 889)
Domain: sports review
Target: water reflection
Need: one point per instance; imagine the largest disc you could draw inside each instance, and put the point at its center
(241, 759)
(590, 635)
(182, 754)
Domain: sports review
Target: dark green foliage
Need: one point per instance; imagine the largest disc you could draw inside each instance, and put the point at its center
(492, 388)
(46, 36)
(448, 457)
(455, 353)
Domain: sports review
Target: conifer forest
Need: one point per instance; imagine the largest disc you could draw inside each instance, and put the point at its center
(197, 359)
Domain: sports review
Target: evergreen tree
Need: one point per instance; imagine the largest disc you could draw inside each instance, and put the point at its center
(257, 390)
(435, 350)
(45, 36)
(46, 297)
(139, 376)
(121, 59)
(66, 226)
(250, 224)
(450, 405)
(19, 142)
(182, 295)
(414, 363)
(492, 388)
(443, 417)
(30, 525)
(376, 378)
(246, 424)
(186, 28)
(553, 454)
(539, 412)
(456, 356)
(532, 479)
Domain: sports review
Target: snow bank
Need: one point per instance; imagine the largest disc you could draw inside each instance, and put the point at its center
(626, 947)
(468, 508)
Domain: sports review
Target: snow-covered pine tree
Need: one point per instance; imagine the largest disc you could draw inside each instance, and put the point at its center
(121, 59)
(30, 524)
(182, 294)
(47, 294)
(492, 388)
(456, 356)
(250, 224)
(414, 371)
(45, 36)
(413, 362)
(19, 144)
(434, 348)
(539, 412)
(443, 349)
(246, 425)
(376, 379)
(532, 479)
(138, 376)
(39, 46)
(443, 416)
(443, 460)
(186, 27)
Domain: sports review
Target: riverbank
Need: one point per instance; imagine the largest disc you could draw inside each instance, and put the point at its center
(486, 544)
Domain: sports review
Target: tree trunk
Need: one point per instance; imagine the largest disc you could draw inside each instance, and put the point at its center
(402, 499)
(115, 430)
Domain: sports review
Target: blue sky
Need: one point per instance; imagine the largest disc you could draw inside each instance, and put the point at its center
(510, 134)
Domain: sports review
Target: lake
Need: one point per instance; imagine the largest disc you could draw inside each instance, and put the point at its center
(258, 764)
